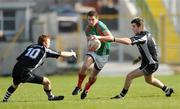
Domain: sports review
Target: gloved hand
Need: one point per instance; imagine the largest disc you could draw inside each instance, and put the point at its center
(135, 61)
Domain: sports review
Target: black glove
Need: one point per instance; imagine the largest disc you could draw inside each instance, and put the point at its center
(135, 61)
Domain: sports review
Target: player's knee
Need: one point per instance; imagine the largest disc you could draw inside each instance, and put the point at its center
(149, 81)
(46, 81)
(84, 67)
(129, 76)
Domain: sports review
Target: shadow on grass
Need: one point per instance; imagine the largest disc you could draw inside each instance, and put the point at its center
(149, 96)
(29, 101)
(132, 97)
(98, 98)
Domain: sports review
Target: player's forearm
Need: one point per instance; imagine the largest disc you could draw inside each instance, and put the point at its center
(105, 38)
(66, 54)
(126, 41)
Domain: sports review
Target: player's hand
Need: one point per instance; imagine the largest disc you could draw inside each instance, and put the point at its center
(73, 54)
(135, 61)
(72, 59)
(91, 49)
(92, 37)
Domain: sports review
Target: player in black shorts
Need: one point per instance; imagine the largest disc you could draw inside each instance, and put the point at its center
(149, 64)
(30, 59)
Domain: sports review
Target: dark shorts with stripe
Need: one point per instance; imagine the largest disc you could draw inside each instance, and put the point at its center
(23, 75)
(149, 68)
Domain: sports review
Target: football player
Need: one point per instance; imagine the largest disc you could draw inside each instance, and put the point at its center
(31, 59)
(149, 60)
(94, 29)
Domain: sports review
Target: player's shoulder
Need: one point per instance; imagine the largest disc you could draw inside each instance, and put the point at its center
(143, 33)
(101, 24)
(36, 46)
(148, 34)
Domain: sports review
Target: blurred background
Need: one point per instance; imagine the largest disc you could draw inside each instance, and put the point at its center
(22, 21)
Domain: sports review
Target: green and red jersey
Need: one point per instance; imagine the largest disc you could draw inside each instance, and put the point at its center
(100, 29)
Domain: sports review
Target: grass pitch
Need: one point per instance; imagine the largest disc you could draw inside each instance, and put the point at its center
(140, 95)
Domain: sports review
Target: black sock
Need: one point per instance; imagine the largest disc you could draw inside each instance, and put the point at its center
(9, 91)
(164, 88)
(123, 92)
(49, 93)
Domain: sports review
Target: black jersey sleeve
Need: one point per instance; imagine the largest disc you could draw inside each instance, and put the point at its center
(138, 39)
(52, 54)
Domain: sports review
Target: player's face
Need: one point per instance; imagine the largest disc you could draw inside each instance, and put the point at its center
(47, 43)
(92, 20)
(135, 28)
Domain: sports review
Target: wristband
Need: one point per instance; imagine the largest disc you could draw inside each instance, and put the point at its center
(114, 40)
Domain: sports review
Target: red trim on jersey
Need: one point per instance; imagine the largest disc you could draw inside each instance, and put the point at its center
(100, 31)
(88, 29)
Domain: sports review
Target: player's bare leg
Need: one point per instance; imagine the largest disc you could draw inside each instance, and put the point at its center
(129, 78)
(9, 92)
(47, 88)
(91, 81)
(150, 79)
(132, 75)
(82, 74)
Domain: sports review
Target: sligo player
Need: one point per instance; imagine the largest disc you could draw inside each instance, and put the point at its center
(31, 59)
(149, 59)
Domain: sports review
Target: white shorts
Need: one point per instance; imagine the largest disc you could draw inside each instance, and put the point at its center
(100, 61)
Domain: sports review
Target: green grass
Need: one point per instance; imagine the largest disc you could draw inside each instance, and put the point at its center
(140, 95)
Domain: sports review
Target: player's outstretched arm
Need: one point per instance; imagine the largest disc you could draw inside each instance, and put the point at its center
(65, 54)
(106, 38)
(126, 41)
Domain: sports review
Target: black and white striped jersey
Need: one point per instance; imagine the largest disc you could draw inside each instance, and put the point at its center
(34, 55)
(147, 47)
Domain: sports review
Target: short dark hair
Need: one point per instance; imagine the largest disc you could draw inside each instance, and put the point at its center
(92, 13)
(138, 21)
(43, 38)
